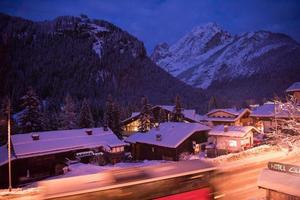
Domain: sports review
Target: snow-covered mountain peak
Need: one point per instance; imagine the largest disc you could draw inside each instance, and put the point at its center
(209, 27)
(208, 53)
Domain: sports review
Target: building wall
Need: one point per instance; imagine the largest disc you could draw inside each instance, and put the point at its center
(38, 167)
(274, 195)
(142, 151)
(232, 144)
(297, 95)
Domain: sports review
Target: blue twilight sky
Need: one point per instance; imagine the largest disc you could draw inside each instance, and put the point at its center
(155, 21)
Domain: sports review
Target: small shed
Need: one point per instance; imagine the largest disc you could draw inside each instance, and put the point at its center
(225, 139)
(167, 141)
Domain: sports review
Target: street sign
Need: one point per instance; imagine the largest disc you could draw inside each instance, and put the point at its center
(284, 168)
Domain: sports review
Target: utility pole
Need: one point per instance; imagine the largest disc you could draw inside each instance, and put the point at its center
(9, 147)
(275, 113)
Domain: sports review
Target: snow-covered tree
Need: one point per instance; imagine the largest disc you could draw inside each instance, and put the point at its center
(85, 117)
(31, 119)
(287, 119)
(68, 115)
(177, 115)
(145, 116)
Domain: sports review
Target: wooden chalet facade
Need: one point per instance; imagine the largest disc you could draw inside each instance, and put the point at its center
(168, 141)
(131, 124)
(229, 116)
(225, 139)
(39, 155)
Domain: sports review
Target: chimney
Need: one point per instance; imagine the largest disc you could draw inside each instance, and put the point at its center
(225, 128)
(35, 136)
(105, 127)
(89, 131)
(158, 137)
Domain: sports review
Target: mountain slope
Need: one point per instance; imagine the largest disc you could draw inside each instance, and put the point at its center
(208, 57)
(83, 57)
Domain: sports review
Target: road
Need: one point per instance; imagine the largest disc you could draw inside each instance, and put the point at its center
(234, 181)
(240, 182)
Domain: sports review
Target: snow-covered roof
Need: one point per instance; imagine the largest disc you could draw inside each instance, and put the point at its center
(50, 142)
(294, 87)
(279, 181)
(232, 131)
(172, 134)
(233, 111)
(265, 110)
(4, 155)
(268, 110)
(188, 113)
(134, 114)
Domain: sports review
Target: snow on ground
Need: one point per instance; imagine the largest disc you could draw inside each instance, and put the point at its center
(253, 155)
(253, 152)
(20, 194)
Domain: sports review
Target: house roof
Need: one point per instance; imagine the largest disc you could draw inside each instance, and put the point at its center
(268, 110)
(4, 155)
(61, 141)
(294, 87)
(188, 113)
(232, 111)
(172, 134)
(237, 113)
(265, 110)
(233, 131)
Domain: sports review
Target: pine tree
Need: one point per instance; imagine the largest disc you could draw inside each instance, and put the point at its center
(68, 115)
(145, 116)
(162, 116)
(85, 117)
(116, 120)
(3, 120)
(212, 104)
(109, 109)
(112, 115)
(177, 115)
(32, 118)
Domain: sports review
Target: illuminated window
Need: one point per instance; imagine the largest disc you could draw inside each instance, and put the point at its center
(232, 143)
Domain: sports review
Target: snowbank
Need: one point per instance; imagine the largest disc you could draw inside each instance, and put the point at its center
(244, 154)
(20, 194)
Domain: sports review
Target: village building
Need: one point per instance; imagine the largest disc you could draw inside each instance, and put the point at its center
(223, 139)
(43, 154)
(267, 116)
(167, 141)
(131, 124)
(281, 181)
(294, 90)
(228, 116)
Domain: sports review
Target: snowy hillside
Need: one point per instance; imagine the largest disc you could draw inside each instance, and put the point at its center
(208, 53)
